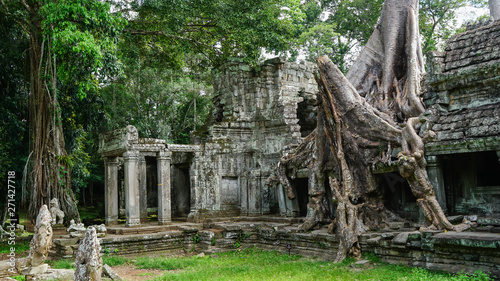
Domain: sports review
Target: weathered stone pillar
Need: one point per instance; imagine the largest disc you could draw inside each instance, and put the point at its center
(131, 166)
(435, 173)
(498, 155)
(143, 190)
(193, 172)
(288, 208)
(111, 190)
(164, 207)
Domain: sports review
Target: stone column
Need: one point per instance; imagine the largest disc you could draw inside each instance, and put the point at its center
(111, 190)
(288, 208)
(132, 210)
(164, 207)
(193, 174)
(435, 173)
(498, 155)
(143, 191)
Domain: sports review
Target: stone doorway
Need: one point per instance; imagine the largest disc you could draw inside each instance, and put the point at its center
(181, 191)
(399, 197)
(472, 184)
(301, 190)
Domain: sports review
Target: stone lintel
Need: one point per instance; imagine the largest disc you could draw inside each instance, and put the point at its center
(116, 142)
(463, 146)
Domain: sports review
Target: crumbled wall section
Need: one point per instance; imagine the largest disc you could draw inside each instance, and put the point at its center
(256, 121)
(463, 115)
(463, 96)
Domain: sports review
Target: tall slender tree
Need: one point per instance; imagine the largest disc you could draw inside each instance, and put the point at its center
(69, 44)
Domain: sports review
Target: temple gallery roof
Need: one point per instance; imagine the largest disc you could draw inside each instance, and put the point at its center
(463, 96)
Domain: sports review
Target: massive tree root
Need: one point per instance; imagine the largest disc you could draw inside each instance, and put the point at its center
(358, 116)
(412, 164)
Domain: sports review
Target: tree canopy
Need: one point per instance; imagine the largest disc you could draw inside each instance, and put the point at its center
(72, 69)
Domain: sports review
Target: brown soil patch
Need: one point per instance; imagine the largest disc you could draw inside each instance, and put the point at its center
(130, 273)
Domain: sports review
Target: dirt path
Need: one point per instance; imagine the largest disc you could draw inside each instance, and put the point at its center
(130, 273)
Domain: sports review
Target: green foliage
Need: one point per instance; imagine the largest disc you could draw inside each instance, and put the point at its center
(437, 19)
(159, 102)
(83, 38)
(213, 28)
(14, 93)
(196, 238)
(19, 277)
(81, 164)
(337, 29)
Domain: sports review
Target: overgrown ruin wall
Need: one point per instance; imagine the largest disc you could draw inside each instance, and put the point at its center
(463, 101)
(400, 243)
(256, 122)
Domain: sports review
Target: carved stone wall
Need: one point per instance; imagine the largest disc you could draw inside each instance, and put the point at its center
(463, 101)
(256, 121)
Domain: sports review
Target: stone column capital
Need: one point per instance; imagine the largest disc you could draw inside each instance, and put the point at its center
(433, 160)
(164, 155)
(131, 155)
(110, 160)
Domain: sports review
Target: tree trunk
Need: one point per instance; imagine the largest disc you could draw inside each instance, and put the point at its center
(495, 9)
(50, 175)
(358, 117)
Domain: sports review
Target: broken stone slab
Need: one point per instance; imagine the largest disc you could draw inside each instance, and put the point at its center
(88, 258)
(55, 274)
(489, 221)
(387, 235)
(397, 225)
(455, 219)
(487, 228)
(361, 264)
(65, 241)
(403, 237)
(8, 268)
(374, 241)
(109, 272)
(34, 270)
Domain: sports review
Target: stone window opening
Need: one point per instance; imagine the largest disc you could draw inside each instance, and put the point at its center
(306, 113)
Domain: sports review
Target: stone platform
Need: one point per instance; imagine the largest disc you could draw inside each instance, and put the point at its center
(400, 243)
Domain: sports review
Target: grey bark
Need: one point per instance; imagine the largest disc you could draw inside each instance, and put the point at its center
(495, 9)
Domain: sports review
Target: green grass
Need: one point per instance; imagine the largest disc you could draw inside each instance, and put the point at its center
(62, 264)
(20, 247)
(114, 260)
(265, 265)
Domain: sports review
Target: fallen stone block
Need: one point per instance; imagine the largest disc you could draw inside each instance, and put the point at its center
(109, 272)
(35, 269)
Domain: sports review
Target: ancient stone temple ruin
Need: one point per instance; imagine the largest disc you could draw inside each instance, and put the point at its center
(260, 114)
(463, 101)
(263, 113)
